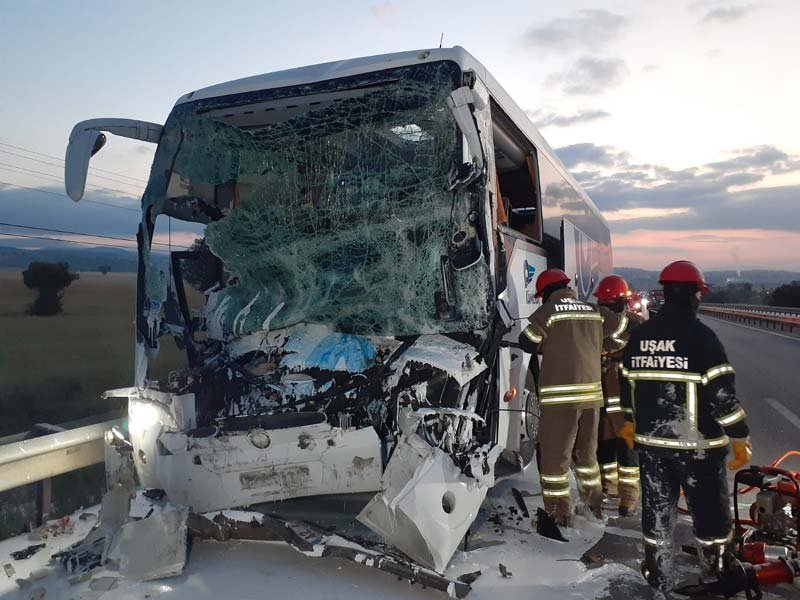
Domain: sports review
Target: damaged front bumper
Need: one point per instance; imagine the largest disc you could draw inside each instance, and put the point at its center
(430, 473)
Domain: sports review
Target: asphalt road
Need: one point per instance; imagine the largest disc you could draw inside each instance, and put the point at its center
(768, 385)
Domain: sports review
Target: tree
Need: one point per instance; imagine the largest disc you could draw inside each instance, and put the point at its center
(786, 295)
(50, 280)
(104, 269)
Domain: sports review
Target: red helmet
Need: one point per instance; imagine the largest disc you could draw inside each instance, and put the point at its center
(611, 288)
(683, 271)
(549, 277)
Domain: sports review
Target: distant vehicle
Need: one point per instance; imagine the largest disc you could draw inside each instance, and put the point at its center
(369, 235)
(656, 301)
(637, 302)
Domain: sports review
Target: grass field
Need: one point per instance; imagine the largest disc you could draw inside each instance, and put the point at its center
(53, 369)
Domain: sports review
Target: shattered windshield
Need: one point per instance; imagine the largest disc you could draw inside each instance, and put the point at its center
(331, 206)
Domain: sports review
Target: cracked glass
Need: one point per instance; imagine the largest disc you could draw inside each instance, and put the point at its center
(332, 206)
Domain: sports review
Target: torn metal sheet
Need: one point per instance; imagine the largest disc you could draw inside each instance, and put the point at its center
(426, 504)
(94, 549)
(154, 547)
(318, 543)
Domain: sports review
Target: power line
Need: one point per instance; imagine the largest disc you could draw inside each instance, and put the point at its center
(25, 187)
(48, 175)
(68, 241)
(62, 160)
(94, 235)
(127, 193)
(44, 162)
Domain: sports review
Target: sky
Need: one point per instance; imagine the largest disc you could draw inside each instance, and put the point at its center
(679, 118)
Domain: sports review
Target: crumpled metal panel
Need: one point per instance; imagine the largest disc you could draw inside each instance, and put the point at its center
(427, 503)
(154, 547)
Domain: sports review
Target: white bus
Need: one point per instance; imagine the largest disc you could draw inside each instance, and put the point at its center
(369, 235)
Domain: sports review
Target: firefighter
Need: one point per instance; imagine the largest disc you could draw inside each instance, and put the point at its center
(619, 465)
(681, 411)
(569, 335)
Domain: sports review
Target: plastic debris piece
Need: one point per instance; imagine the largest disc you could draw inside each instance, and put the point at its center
(27, 552)
(9, 569)
(103, 584)
(504, 571)
(154, 493)
(546, 526)
(469, 578)
(520, 502)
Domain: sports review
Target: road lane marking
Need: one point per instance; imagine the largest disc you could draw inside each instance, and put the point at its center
(787, 414)
(788, 337)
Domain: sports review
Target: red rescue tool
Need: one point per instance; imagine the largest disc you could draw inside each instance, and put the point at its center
(768, 543)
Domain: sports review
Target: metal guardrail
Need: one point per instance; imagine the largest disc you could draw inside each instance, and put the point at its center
(762, 316)
(760, 309)
(29, 461)
(26, 459)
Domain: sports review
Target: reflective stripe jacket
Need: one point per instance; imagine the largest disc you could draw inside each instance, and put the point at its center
(569, 335)
(612, 359)
(678, 388)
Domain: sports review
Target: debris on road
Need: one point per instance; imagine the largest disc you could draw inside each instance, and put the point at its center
(547, 527)
(504, 571)
(9, 569)
(27, 552)
(469, 578)
(521, 502)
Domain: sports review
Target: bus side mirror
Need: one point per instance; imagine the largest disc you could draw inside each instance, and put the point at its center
(80, 149)
(86, 140)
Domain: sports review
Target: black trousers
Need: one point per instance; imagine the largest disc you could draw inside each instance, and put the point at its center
(616, 451)
(704, 481)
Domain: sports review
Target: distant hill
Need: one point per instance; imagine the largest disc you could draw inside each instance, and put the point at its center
(79, 259)
(642, 279)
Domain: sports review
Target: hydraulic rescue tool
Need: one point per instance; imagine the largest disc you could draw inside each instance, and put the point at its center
(767, 550)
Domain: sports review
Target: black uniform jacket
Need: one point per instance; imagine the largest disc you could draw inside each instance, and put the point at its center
(677, 386)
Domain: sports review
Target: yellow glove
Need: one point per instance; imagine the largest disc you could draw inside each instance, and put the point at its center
(626, 433)
(742, 453)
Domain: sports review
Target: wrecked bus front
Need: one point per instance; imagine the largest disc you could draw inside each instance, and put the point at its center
(368, 234)
(336, 299)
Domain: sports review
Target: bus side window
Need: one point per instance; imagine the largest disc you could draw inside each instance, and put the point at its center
(517, 176)
(519, 186)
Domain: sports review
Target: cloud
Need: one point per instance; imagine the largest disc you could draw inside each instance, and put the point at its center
(590, 75)
(762, 158)
(383, 9)
(590, 154)
(702, 197)
(587, 29)
(29, 207)
(726, 14)
(550, 119)
(710, 248)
